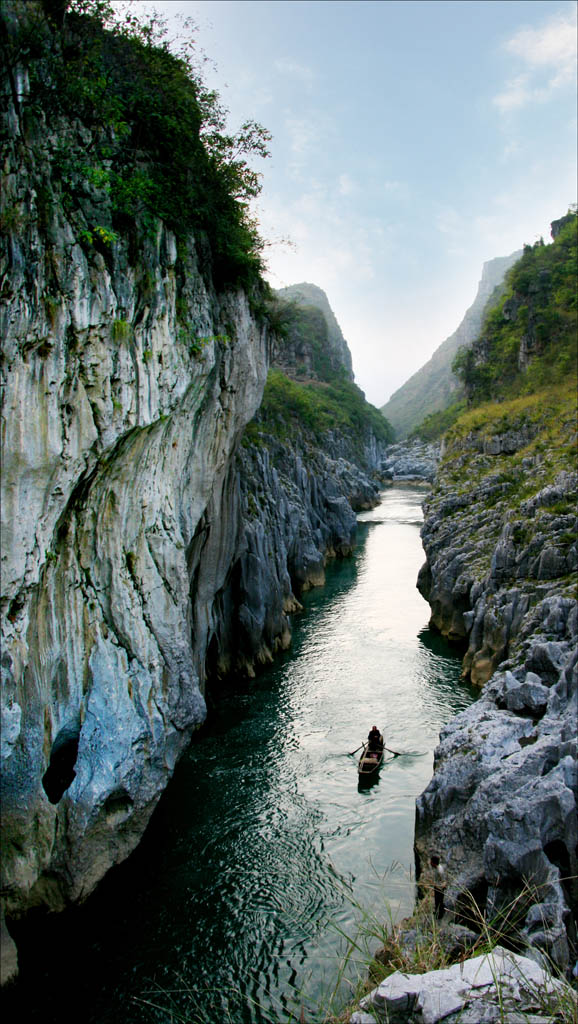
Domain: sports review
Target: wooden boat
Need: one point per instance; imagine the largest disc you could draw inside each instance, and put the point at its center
(369, 763)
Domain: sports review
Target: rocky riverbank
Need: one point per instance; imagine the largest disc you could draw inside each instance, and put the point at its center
(500, 535)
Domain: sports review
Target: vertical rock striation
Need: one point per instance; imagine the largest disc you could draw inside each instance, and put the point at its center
(119, 427)
(145, 554)
(293, 492)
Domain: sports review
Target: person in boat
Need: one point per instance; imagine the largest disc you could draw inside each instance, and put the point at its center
(374, 741)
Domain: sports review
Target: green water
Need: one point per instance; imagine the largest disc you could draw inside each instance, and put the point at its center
(264, 848)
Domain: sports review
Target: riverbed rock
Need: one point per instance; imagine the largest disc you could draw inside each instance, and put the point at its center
(411, 460)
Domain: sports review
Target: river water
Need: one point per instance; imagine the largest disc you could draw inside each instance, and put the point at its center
(264, 855)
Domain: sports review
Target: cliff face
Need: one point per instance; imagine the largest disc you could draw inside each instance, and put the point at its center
(434, 386)
(127, 381)
(500, 536)
(310, 458)
(298, 353)
(146, 553)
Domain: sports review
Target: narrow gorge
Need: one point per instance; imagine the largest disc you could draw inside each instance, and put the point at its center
(146, 550)
(184, 453)
(500, 535)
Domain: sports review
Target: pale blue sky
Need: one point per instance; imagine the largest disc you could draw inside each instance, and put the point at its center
(411, 142)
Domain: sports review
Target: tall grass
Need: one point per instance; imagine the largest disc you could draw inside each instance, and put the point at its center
(378, 946)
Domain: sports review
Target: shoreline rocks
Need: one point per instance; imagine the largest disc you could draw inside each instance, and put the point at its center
(501, 806)
(411, 460)
(497, 986)
(500, 537)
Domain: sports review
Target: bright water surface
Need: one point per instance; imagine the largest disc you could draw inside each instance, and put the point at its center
(263, 847)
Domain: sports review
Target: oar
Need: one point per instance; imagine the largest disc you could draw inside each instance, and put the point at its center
(352, 752)
(404, 753)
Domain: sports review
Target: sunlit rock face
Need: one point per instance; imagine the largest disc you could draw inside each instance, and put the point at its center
(119, 427)
(144, 555)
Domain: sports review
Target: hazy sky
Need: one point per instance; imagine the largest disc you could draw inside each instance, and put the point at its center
(412, 141)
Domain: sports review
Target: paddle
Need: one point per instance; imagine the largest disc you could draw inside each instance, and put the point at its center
(404, 753)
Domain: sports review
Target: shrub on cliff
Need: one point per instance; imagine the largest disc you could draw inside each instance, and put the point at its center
(291, 408)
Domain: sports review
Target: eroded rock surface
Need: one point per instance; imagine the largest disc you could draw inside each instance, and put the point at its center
(119, 427)
(293, 505)
(143, 552)
(411, 460)
(500, 539)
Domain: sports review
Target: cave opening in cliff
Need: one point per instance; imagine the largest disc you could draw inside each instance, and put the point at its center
(60, 772)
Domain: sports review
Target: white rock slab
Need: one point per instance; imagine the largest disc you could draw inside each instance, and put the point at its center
(499, 978)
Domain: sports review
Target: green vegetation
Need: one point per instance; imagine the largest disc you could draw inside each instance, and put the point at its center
(310, 325)
(309, 392)
(157, 145)
(528, 341)
(548, 419)
(436, 424)
(434, 388)
(290, 409)
(434, 949)
(121, 329)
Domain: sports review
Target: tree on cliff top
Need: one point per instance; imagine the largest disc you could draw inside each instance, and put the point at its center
(159, 145)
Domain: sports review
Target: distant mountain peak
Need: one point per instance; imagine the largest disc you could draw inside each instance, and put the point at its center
(433, 387)
(306, 294)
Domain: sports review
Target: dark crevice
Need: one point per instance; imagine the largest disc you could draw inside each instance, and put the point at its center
(60, 772)
(118, 803)
(527, 741)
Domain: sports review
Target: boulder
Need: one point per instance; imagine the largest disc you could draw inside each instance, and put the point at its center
(497, 986)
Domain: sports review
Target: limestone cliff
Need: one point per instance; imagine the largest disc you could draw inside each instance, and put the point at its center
(146, 552)
(299, 350)
(310, 458)
(500, 535)
(127, 379)
(501, 807)
(434, 387)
